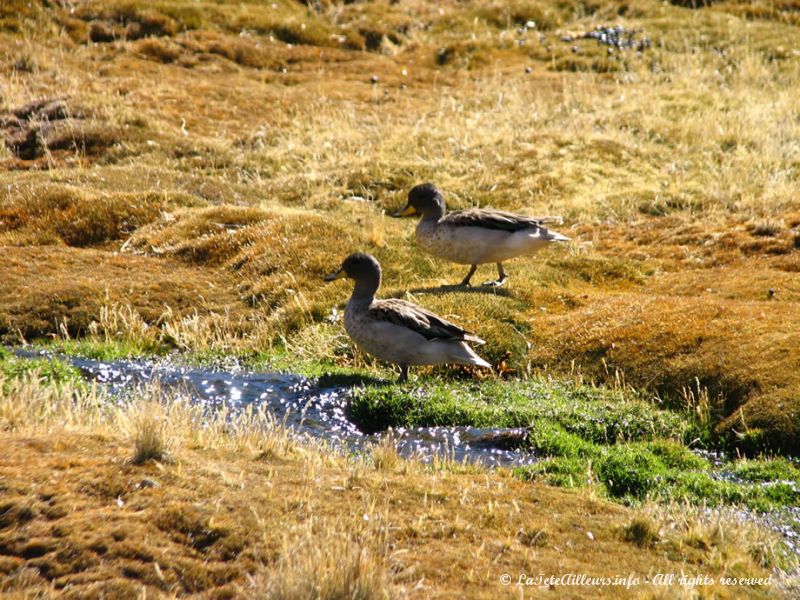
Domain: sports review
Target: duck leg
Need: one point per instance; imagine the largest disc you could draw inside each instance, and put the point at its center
(465, 281)
(501, 273)
(403, 374)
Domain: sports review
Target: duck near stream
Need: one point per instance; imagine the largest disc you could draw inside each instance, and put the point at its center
(476, 235)
(396, 331)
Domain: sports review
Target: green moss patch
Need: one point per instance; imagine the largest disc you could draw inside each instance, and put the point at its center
(49, 370)
(595, 414)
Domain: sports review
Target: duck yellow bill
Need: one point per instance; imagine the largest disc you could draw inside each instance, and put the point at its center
(334, 276)
(406, 212)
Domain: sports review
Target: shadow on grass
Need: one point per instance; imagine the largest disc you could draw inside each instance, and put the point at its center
(448, 289)
(337, 380)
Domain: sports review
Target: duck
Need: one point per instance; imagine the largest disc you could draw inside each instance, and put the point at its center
(475, 236)
(396, 331)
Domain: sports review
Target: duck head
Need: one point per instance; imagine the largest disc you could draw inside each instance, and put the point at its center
(424, 199)
(364, 269)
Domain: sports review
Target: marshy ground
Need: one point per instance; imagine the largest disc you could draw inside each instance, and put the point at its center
(177, 176)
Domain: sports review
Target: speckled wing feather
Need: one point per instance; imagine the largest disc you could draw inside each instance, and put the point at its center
(416, 318)
(490, 219)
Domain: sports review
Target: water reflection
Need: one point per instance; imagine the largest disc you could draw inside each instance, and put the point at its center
(304, 406)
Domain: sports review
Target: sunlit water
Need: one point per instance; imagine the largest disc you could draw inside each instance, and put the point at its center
(305, 408)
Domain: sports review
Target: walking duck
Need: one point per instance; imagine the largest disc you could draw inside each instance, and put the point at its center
(397, 331)
(476, 235)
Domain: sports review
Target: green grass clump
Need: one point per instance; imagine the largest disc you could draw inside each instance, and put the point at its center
(594, 414)
(701, 487)
(776, 469)
(558, 471)
(676, 456)
(628, 471)
(551, 439)
(47, 370)
(660, 471)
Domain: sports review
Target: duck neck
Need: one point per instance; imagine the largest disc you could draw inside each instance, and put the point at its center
(366, 287)
(434, 213)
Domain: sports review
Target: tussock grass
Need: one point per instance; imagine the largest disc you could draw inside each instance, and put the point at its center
(329, 560)
(46, 395)
(677, 527)
(29, 402)
(384, 454)
(146, 427)
(65, 214)
(641, 531)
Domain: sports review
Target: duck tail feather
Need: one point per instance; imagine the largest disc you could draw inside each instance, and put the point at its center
(554, 236)
(482, 363)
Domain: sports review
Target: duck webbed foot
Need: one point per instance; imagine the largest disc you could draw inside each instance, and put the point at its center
(495, 283)
(501, 279)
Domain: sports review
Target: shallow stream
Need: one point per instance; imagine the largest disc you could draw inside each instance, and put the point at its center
(303, 405)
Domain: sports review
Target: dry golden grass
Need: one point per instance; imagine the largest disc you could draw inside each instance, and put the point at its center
(329, 560)
(244, 510)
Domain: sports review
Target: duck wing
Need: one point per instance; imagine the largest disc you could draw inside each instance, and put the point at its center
(489, 218)
(423, 322)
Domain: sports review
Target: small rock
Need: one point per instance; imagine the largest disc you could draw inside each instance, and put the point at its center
(771, 293)
(148, 483)
(528, 70)
(374, 79)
